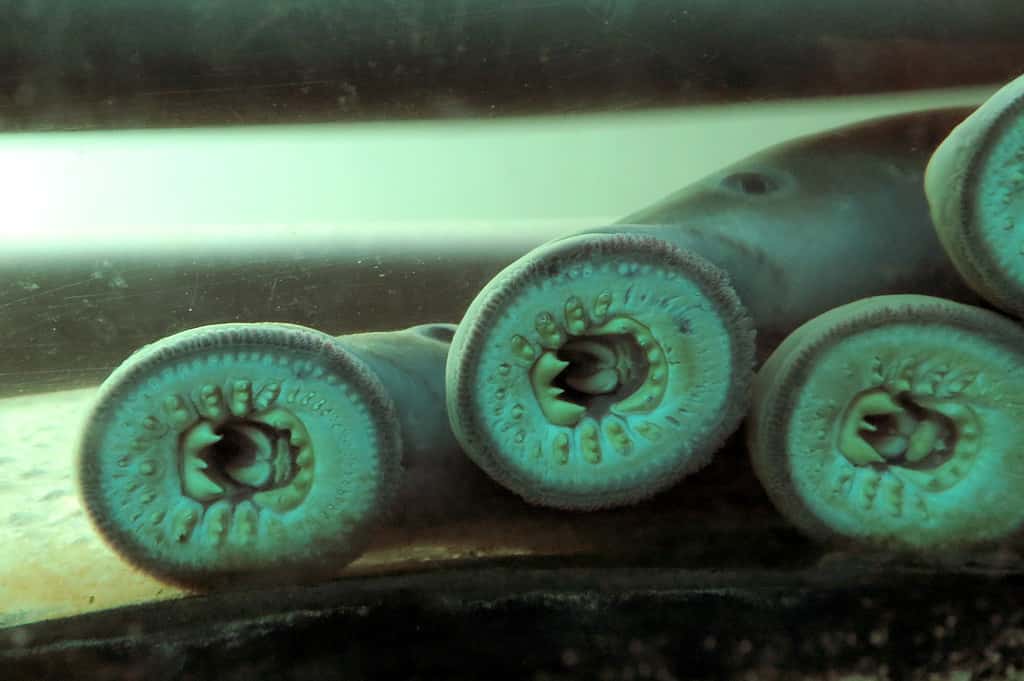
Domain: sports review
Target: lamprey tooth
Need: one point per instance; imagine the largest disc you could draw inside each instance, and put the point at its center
(923, 441)
(644, 399)
(618, 437)
(598, 383)
(601, 306)
(279, 419)
(183, 522)
(575, 316)
(179, 412)
(562, 448)
(241, 397)
(298, 437)
(211, 402)
(303, 480)
(589, 441)
(894, 496)
(280, 500)
(276, 529)
(891, 446)
(154, 427)
(282, 461)
(194, 481)
(856, 449)
(546, 370)
(267, 396)
(522, 348)
(200, 437)
(245, 522)
(649, 430)
(216, 522)
(304, 458)
(557, 411)
(550, 335)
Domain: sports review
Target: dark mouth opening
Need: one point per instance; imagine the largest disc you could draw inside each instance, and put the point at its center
(602, 370)
(247, 458)
(894, 434)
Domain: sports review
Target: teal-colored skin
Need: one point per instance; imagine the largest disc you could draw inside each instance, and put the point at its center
(439, 483)
(788, 233)
(894, 422)
(817, 222)
(975, 187)
(240, 454)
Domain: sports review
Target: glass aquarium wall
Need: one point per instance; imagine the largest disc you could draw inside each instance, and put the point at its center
(595, 319)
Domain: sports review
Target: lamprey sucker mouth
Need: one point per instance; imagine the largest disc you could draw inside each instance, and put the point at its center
(893, 422)
(600, 370)
(242, 453)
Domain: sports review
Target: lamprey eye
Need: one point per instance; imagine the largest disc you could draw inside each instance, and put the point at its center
(751, 183)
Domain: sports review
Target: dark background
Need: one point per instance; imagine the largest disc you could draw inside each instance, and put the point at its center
(134, 63)
(67, 322)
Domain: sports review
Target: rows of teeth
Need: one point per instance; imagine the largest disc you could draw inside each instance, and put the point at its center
(650, 393)
(545, 365)
(211, 403)
(914, 440)
(222, 521)
(558, 411)
(273, 464)
(593, 436)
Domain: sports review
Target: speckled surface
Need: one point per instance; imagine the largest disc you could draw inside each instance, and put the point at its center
(54, 563)
(556, 622)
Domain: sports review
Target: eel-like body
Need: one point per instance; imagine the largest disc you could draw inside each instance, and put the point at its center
(601, 368)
